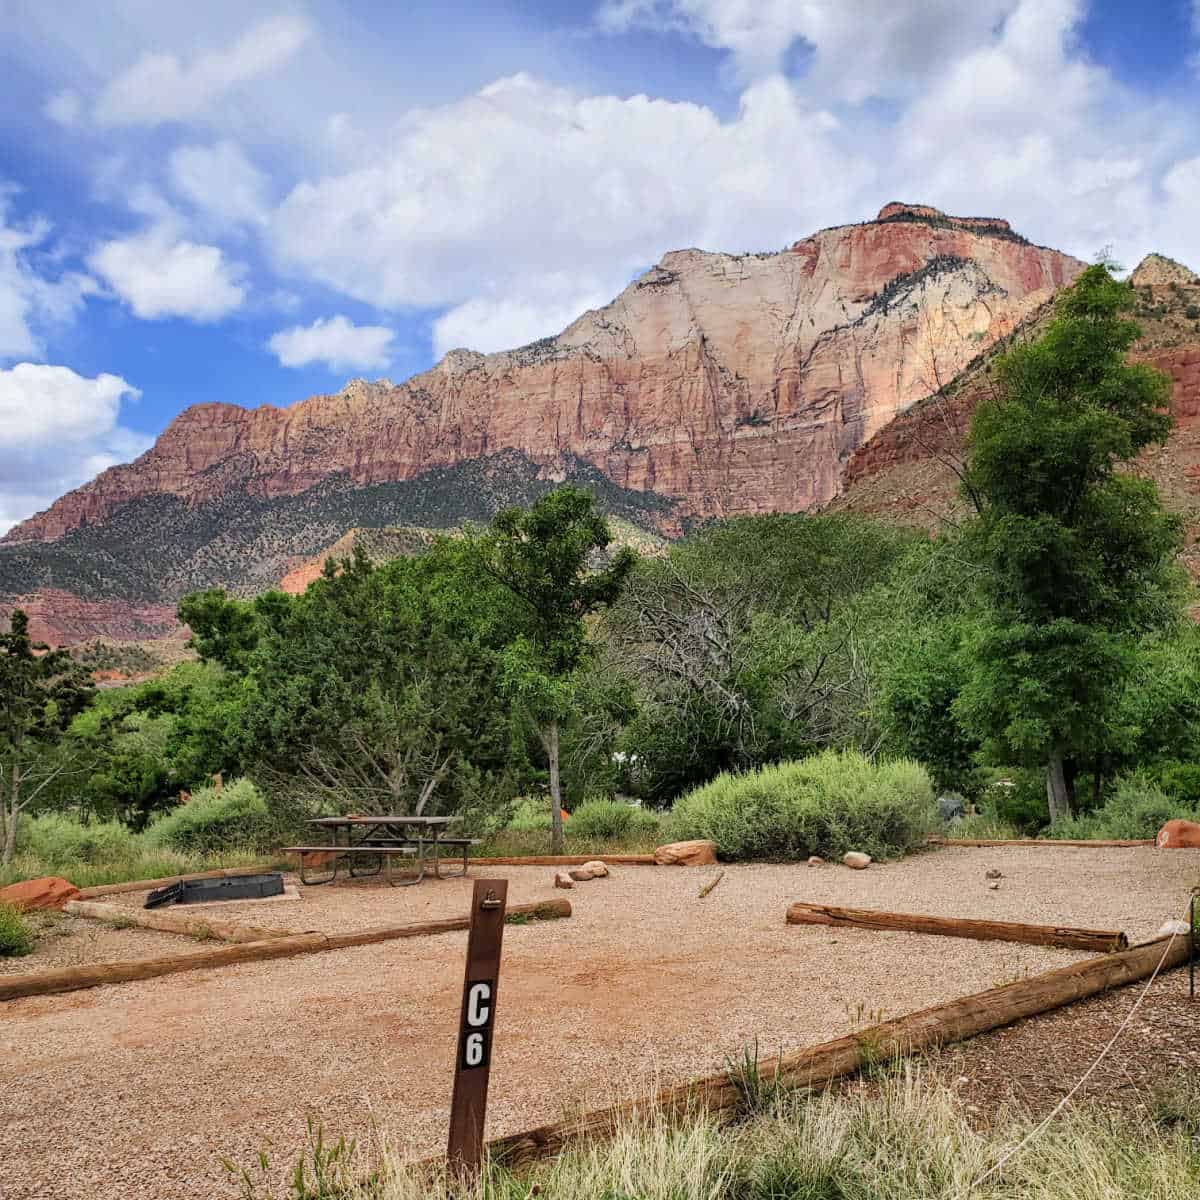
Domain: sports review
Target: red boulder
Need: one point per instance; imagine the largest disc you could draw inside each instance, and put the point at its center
(1179, 835)
(48, 892)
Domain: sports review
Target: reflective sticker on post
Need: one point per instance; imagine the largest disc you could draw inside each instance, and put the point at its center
(477, 1026)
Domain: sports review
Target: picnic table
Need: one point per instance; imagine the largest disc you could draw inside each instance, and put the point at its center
(377, 840)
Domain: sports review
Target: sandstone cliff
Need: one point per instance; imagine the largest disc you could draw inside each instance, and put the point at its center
(715, 384)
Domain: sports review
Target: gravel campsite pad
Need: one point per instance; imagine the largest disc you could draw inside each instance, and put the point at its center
(65, 941)
(140, 1088)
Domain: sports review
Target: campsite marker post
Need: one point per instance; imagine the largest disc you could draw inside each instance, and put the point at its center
(468, 1106)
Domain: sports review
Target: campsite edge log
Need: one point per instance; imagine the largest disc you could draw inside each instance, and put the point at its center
(171, 922)
(815, 1067)
(72, 979)
(1098, 941)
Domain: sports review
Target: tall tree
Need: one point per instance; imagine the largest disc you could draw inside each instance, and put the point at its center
(1079, 552)
(544, 556)
(41, 690)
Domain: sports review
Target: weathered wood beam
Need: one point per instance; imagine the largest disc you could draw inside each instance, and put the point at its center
(171, 921)
(1096, 940)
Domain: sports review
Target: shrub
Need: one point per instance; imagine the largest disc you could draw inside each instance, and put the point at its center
(1137, 808)
(531, 815)
(62, 841)
(609, 819)
(827, 804)
(1181, 781)
(16, 938)
(216, 821)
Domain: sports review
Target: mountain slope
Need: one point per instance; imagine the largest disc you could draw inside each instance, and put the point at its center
(714, 384)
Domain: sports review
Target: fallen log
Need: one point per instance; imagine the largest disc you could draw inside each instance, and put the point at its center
(146, 885)
(70, 979)
(816, 1067)
(1097, 941)
(171, 922)
(1042, 843)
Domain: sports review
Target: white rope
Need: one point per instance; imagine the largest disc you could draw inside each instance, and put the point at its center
(1037, 1130)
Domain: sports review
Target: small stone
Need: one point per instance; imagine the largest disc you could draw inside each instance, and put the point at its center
(857, 860)
(699, 853)
(995, 887)
(816, 861)
(994, 874)
(563, 880)
(1174, 927)
(581, 874)
(598, 869)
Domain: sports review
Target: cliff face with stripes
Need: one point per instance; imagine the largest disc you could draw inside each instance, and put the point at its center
(714, 384)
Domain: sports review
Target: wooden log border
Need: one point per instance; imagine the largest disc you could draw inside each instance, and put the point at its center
(70, 979)
(170, 921)
(1043, 843)
(1097, 941)
(147, 885)
(816, 1067)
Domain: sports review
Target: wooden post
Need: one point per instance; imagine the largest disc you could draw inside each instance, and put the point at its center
(468, 1106)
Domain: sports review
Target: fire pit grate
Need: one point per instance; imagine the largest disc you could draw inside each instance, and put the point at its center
(201, 891)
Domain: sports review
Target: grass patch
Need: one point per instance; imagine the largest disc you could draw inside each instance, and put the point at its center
(523, 843)
(139, 863)
(16, 937)
(905, 1140)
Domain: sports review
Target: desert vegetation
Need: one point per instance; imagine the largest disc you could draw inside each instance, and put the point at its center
(783, 684)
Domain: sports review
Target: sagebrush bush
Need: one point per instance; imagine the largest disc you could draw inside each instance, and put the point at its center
(1137, 808)
(59, 840)
(215, 821)
(609, 819)
(827, 804)
(530, 814)
(16, 937)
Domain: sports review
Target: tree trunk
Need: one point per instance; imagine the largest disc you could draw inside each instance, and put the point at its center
(550, 737)
(10, 837)
(1057, 794)
(1097, 778)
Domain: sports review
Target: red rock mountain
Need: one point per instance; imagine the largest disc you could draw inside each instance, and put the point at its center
(714, 384)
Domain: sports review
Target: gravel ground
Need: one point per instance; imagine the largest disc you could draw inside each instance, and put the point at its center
(64, 941)
(137, 1089)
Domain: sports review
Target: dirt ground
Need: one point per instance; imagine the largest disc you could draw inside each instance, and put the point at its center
(64, 941)
(138, 1089)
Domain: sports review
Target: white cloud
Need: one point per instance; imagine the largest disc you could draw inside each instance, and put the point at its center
(493, 199)
(58, 430)
(30, 298)
(868, 48)
(64, 108)
(159, 274)
(334, 341)
(161, 87)
(220, 181)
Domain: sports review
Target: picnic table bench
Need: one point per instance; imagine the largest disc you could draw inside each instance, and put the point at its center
(379, 840)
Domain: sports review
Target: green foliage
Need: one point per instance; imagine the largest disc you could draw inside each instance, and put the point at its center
(1078, 555)
(827, 804)
(745, 644)
(1136, 808)
(600, 819)
(531, 814)
(1179, 780)
(61, 841)
(235, 817)
(224, 630)
(16, 938)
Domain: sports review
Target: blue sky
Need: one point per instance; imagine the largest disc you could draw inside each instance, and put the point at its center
(253, 202)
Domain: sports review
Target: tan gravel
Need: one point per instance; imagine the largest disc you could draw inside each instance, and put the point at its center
(136, 1089)
(64, 941)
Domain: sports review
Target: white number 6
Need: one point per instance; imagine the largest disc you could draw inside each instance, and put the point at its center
(473, 1049)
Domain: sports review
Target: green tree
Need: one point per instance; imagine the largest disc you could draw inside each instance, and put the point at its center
(224, 630)
(41, 690)
(544, 555)
(1079, 554)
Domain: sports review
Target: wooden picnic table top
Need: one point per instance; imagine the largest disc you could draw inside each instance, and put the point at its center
(398, 819)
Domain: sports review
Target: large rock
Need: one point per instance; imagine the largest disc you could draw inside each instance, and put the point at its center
(562, 879)
(598, 869)
(857, 860)
(51, 891)
(581, 874)
(1179, 835)
(697, 853)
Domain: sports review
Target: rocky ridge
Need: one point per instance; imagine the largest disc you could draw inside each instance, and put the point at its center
(714, 385)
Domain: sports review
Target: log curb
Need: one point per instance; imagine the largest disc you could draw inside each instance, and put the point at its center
(71, 979)
(814, 1068)
(1096, 941)
(169, 921)
(1043, 843)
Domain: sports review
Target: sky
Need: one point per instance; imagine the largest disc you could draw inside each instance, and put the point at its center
(254, 202)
